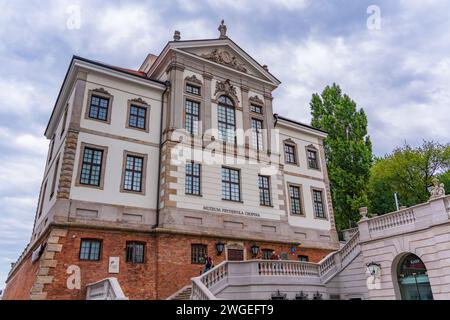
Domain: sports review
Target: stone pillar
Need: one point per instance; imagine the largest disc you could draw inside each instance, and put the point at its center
(206, 112)
(363, 227)
(269, 120)
(245, 108)
(175, 70)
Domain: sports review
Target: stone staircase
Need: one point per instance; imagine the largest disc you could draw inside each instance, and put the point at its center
(183, 294)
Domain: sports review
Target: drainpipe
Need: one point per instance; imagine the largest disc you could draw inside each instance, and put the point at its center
(167, 84)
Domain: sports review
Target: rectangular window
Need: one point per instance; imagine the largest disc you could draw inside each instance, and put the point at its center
(135, 252)
(90, 249)
(41, 205)
(193, 178)
(99, 108)
(133, 173)
(192, 111)
(226, 117)
(52, 146)
(312, 159)
(192, 89)
(289, 154)
(264, 191)
(231, 184)
(296, 205)
(256, 109)
(198, 253)
(303, 258)
(138, 117)
(319, 211)
(267, 254)
(55, 176)
(92, 167)
(257, 134)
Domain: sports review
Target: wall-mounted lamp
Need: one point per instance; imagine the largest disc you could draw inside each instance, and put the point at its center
(255, 250)
(219, 248)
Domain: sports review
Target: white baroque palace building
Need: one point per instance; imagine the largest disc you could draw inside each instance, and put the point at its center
(149, 171)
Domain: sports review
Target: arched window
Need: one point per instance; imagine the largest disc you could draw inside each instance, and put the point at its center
(227, 119)
(413, 279)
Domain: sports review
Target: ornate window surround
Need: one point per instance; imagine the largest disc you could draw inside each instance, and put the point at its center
(138, 102)
(194, 81)
(197, 99)
(80, 165)
(311, 147)
(324, 203)
(302, 200)
(225, 88)
(226, 106)
(256, 116)
(256, 101)
(144, 172)
(292, 143)
(102, 93)
(269, 180)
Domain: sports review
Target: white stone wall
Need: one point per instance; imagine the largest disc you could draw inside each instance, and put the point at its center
(350, 283)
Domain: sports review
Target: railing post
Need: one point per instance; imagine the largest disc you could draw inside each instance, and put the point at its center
(337, 261)
(363, 227)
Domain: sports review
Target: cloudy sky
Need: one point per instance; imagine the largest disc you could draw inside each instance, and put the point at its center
(396, 68)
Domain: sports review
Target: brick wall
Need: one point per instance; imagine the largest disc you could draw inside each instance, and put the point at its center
(167, 266)
(137, 280)
(21, 282)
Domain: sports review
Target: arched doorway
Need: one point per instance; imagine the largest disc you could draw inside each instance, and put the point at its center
(413, 279)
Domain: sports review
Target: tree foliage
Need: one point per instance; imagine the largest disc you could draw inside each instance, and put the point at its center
(348, 151)
(409, 172)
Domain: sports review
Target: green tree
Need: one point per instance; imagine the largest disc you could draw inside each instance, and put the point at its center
(348, 151)
(409, 172)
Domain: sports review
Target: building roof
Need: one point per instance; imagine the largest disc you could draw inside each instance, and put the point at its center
(278, 117)
(137, 73)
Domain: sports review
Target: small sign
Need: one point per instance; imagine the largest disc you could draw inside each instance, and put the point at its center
(232, 211)
(37, 253)
(113, 265)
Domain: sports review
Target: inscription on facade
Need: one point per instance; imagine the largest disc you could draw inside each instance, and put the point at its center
(232, 211)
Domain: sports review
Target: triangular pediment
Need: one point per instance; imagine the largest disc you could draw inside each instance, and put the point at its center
(226, 53)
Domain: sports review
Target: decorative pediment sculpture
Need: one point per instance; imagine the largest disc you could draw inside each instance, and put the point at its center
(223, 30)
(256, 100)
(225, 87)
(225, 58)
(437, 190)
(139, 100)
(194, 79)
(102, 90)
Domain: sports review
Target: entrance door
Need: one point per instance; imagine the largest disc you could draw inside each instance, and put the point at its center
(413, 279)
(235, 255)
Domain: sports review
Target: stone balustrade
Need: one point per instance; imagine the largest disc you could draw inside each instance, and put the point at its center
(298, 275)
(415, 218)
(269, 272)
(392, 220)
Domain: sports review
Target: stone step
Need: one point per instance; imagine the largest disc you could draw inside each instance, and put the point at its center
(183, 295)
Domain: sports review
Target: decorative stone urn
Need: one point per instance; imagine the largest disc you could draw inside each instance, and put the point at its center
(363, 212)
